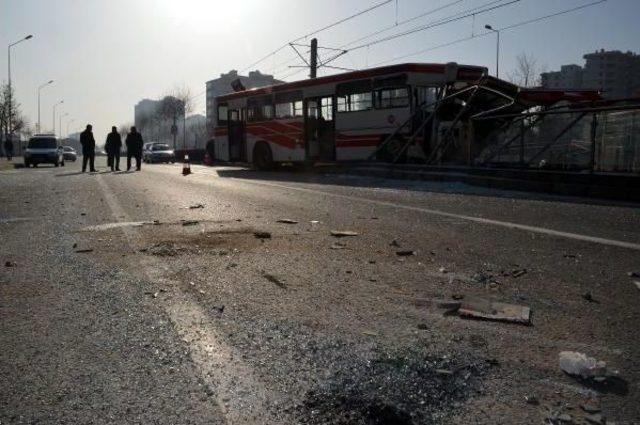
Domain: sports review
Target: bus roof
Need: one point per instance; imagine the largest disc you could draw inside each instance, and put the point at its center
(465, 73)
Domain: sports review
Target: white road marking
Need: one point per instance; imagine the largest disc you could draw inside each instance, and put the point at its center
(240, 395)
(479, 220)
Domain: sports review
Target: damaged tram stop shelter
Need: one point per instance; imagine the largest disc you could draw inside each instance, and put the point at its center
(492, 123)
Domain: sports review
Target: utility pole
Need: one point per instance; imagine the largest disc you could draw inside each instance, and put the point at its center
(313, 60)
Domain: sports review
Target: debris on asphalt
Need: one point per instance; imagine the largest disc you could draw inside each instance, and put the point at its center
(287, 221)
(519, 272)
(83, 214)
(273, 279)
(262, 235)
(163, 249)
(479, 308)
(406, 253)
(481, 278)
(531, 399)
(196, 206)
(9, 264)
(637, 283)
(370, 333)
(338, 245)
(395, 244)
(596, 419)
(592, 406)
(589, 297)
(189, 222)
(581, 365)
(219, 309)
(633, 274)
(75, 245)
(443, 270)
(422, 327)
(343, 233)
(81, 251)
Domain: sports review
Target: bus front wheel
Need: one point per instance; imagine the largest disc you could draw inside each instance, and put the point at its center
(262, 157)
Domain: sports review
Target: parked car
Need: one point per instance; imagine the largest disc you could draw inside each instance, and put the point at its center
(43, 149)
(69, 153)
(159, 152)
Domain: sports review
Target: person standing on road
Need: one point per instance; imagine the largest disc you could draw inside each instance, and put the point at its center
(113, 146)
(134, 148)
(88, 149)
(8, 148)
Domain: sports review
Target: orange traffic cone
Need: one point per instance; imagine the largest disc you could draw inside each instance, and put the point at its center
(186, 166)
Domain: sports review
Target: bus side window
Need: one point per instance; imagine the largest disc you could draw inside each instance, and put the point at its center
(392, 98)
(284, 110)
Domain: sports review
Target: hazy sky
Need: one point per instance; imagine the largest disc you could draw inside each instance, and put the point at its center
(105, 55)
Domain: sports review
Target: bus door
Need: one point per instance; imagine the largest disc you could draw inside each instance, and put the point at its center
(237, 150)
(320, 128)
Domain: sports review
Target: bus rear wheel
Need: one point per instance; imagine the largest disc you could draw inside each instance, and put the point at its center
(262, 157)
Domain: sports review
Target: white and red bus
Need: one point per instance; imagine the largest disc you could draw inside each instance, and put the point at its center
(343, 117)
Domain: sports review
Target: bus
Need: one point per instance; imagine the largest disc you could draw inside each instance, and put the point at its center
(343, 117)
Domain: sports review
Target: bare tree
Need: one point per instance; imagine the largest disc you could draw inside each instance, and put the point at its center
(17, 122)
(174, 106)
(527, 71)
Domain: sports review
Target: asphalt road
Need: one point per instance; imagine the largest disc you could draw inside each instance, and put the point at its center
(115, 310)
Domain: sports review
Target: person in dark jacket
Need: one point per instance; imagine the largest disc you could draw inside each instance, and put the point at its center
(8, 148)
(113, 146)
(134, 148)
(88, 149)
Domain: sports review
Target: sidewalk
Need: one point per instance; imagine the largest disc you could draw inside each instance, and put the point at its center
(10, 165)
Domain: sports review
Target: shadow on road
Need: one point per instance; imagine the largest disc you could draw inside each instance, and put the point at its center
(299, 176)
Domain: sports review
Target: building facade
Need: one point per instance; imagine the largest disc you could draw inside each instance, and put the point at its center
(569, 76)
(222, 85)
(616, 74)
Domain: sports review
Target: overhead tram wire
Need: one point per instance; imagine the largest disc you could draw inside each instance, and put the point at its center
(506, 28)
(433, 25)
(341, 21)
(467, 12)
(406, 21)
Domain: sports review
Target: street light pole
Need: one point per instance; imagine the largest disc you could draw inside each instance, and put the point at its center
(40, 88)
(9, 130)
(490, 28)
(54, 116)
(69, 122)
(60, 122)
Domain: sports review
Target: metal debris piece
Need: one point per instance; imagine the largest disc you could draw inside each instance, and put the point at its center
(531, 399)
(9, 264)
(589, 297)
(262, 235)
(343, 233)
(190, 222)
(633, 274)
(519, 272)
(405, 253)
(196, 206)
(637, 283)
(442, 270)
(271, 278)
(444, 372)
(287, 221)
(479, 308)
(370, 333)
(81, 251)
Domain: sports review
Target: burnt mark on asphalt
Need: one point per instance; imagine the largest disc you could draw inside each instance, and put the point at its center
(398, 390)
